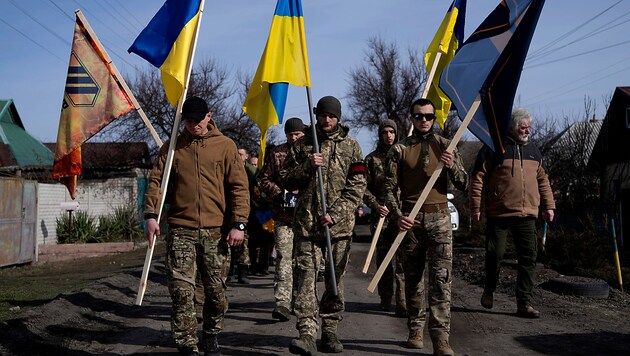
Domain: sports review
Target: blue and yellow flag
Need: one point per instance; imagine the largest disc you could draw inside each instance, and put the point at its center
(284, 61)
(489, 64)
(166, 43)
(446, 41)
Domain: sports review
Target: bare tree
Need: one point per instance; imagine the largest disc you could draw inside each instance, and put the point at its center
(209, 81)
(384, 87)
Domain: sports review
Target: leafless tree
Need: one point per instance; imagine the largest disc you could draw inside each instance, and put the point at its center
(208, 80)
(384, 87)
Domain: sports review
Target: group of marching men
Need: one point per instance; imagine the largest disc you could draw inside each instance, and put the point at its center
(316, 181)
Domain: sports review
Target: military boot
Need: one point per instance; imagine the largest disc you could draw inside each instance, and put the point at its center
(330, 343)
(415, 340)
(242, 275)
(304, 345)
(211, 346)
(442, 348)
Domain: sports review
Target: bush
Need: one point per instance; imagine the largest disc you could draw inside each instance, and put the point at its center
(83, 228)
(121, 225)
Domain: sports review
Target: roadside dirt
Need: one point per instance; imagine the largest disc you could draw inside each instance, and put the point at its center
(98, 317)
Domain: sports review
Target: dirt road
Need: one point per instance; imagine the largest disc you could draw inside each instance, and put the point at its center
(101, 319)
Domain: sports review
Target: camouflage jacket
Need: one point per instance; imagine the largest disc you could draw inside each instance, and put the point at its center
(283, 201)
(343, 175)
(375, 163)
(409, 169)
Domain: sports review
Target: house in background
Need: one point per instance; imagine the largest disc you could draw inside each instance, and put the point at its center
(114, 174)
(611, 157)
(21, 154)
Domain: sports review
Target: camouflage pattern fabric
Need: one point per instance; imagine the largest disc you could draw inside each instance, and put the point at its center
(409, 167)
(187, 250)
(375, 164)
(283, 201)
(429, 241)
(393, 280)
(308, 258)
(283, 281)
(343, 175)
(344, 186)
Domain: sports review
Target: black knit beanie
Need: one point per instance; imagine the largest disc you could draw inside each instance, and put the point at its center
(293, 124)
(329, 104)
(194, 108)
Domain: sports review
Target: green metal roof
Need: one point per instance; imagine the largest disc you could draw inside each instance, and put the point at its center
(25, 149)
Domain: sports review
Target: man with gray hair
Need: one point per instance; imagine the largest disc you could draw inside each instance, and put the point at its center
(514, 184)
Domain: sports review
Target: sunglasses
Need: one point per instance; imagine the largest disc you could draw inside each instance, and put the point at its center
(419, 116)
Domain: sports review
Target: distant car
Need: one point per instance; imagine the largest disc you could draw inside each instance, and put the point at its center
(454, 212)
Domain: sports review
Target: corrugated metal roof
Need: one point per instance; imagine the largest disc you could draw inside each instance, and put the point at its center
(26, 150)
(581, 134)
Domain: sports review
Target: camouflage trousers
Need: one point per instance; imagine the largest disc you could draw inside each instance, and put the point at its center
(283, 281)
(308, 256)
(190, 251)
(429, 241)
(393, 279)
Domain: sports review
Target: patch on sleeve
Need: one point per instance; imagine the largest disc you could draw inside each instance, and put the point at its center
(357, 168)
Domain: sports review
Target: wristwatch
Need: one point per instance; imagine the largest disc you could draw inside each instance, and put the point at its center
(239, 226)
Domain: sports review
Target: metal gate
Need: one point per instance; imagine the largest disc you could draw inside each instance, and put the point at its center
(18, 216)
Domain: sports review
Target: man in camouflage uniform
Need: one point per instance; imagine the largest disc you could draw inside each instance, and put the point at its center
(207, 178)
(373, 198)
(343, 174)
(283, 206)
(429, 237)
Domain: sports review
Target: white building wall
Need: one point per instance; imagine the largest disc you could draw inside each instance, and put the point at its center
(96, 197)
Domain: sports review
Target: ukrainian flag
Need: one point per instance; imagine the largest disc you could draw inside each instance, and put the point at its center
(166, 43)
(446, 41)
(284, 61)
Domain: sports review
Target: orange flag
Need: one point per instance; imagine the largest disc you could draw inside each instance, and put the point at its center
(93, 98)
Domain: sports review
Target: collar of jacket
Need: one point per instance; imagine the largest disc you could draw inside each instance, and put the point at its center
(336, 135)
(213, 130)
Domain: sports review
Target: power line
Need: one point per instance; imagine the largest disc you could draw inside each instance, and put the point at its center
(38, 22)
(606, 27)
(544, 94)
(131, 31)
(139, 26)
(571, 31)
(32, 40)
(577, 54)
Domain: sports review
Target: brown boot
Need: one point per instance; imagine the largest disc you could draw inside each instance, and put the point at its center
(304, 345)
(415, 340)
(527, 311)
(442, 348)
(330, 343)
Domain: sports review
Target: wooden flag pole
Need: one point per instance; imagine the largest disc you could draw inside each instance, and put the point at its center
(381, 220)
(169, 161)
(424, 194)
(322, 194)
(119, 78)
(427, 86)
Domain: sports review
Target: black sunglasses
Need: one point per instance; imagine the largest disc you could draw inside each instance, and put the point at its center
(419, 116)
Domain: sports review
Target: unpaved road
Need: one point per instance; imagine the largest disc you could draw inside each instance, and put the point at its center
(101, 319)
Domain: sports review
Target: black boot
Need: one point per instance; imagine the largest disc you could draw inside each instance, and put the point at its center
(242, 275)
(211, 346)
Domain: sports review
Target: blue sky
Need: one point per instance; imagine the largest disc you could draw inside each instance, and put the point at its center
(579, 48)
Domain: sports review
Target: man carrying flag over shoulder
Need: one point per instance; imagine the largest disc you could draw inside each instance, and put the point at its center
(284, 61)
(93, 98)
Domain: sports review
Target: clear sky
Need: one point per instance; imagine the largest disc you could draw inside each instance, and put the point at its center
(580, 47)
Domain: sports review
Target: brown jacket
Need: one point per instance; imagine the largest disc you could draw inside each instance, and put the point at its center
(207, 181)
(409, 169)
(513, 184)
